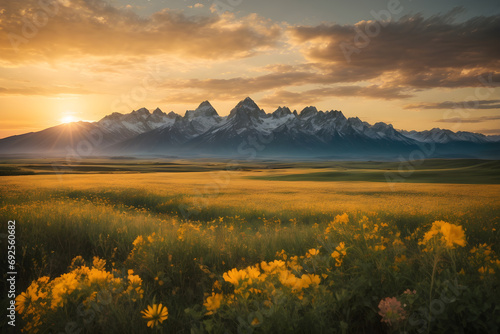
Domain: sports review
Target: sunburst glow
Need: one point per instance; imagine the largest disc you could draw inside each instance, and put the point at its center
(68, 119)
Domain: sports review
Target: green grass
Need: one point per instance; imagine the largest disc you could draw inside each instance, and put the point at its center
(57, 221)
(14, 170)
(462, 171)
(434, 171)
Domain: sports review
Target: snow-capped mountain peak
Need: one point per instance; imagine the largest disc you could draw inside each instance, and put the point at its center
(202, 118)
(205, 109)
(247, 107)
(443, 136)
(158, 112)
(308, 112)
(311, 132)
(143, 112)
(281, 111)
(172, 115)
(246, 114)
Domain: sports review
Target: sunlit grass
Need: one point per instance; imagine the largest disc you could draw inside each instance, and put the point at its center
(195, 227)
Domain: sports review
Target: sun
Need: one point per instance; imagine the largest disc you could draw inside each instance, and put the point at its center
(68, 119)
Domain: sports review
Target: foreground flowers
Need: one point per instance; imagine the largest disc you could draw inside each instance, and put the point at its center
(306, 290)
(90, 290)
(155, 314)
(445, 233)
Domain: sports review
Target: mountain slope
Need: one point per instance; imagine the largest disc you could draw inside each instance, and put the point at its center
(78, 138)
(444, 136)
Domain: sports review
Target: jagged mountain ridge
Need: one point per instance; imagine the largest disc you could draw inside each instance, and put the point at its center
(443, 136)
(246, 130)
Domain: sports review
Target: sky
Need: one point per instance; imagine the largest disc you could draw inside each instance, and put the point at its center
(415, 64)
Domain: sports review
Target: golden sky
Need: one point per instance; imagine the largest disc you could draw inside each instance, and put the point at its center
(428, 66)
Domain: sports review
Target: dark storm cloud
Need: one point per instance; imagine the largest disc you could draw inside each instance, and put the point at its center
(413, 51)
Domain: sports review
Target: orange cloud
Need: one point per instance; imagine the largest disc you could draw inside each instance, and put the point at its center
(34, 33)
(473, 104)
(239, 86)
(46, 91)
(314, 95)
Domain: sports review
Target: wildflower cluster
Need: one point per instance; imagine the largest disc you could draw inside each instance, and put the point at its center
(145, 252)
(443, 234)
(339, 254)
(484, 259)
(181, 231)
(338, 220)
(263, 289)
(81, 287)
(262, 280)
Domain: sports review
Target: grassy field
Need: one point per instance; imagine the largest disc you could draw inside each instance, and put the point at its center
(255, 247)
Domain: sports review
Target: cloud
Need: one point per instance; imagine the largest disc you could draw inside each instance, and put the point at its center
(474, 104)
(283, 97)
(414, 51)
(197, 5)
(280, 77)
(79, 28)
(239, 86)
(45, 91)
(491, 132)
(408, 55)
(314, 95)
(480, 119)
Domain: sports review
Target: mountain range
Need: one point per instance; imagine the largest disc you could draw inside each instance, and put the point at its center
(246, 132)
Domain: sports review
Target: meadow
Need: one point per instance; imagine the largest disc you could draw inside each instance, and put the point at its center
(278, 247)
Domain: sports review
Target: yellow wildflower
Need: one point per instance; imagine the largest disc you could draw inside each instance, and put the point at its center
(98, 263)
(23, 301)
(341, 248)
(135, 280)
(255, 322)
(287, 278)
(212, 303)
(342, 219)
(138, 241)
(98, 276)
(272, 266)
(312, 252)
(155, 314)
(252, 273)
(151, 237)
(306, 281)
(451, 234)
(234, 276)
